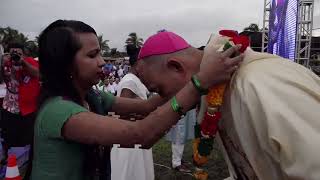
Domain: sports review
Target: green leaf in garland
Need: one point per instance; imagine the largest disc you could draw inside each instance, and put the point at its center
(226, 46)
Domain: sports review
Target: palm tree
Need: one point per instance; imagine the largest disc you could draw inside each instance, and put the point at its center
(104, 46)
(252, 27)
(134, 40)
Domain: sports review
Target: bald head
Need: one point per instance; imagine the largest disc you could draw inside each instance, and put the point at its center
(188, 56)
(167, 62)
(167, 73)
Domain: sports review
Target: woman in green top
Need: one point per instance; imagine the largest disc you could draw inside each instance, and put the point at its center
(70, 64)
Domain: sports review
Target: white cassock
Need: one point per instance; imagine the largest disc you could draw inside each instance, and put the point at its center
(270, 128)
(129, 163)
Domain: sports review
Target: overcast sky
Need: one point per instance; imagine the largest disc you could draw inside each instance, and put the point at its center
(195, 20)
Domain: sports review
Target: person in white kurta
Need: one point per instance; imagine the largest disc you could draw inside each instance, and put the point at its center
(127, 163)
(179, 135)
(270, 126)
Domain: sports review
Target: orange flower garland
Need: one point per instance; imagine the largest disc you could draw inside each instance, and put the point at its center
(215, 95)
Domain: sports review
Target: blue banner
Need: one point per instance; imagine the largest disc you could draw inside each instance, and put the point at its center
(283, 28)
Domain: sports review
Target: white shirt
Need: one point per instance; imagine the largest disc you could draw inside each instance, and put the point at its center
(110, 88)
(3, 90)
(115, 86)
(133, 164)
(133, 83)
(100, 88)
(120, 72)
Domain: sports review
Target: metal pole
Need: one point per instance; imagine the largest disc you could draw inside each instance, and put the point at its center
(265, 25)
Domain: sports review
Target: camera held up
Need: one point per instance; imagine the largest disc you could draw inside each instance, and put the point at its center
(15, 56)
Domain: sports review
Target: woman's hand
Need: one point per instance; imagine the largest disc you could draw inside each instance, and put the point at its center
(217, 67)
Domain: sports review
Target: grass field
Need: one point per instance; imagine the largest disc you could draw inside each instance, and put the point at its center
(216, 167)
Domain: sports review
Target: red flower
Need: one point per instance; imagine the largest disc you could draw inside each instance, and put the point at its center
(209, 124)
(243, 40)
(229, 33)
(236, 38)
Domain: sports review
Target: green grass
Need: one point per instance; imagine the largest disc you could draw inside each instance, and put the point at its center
(216, 166)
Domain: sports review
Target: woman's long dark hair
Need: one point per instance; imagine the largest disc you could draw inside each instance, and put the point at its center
(58, 45)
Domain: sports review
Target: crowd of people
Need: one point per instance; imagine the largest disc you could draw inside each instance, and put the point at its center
(60, 106)
(113, 71)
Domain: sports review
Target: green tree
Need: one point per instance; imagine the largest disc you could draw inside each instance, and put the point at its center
(252, 27)
(9, 35)
(115, 53)
(133, 44)
(134, 40)
(105, 49)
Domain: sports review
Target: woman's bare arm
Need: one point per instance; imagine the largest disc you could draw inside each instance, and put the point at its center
(90, 128)
(125, 106)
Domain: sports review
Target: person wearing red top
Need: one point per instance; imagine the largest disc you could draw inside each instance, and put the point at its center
(28, 92)
(19, 106)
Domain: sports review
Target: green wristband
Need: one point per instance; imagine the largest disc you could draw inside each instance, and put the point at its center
(175, 106)
(197, 85)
